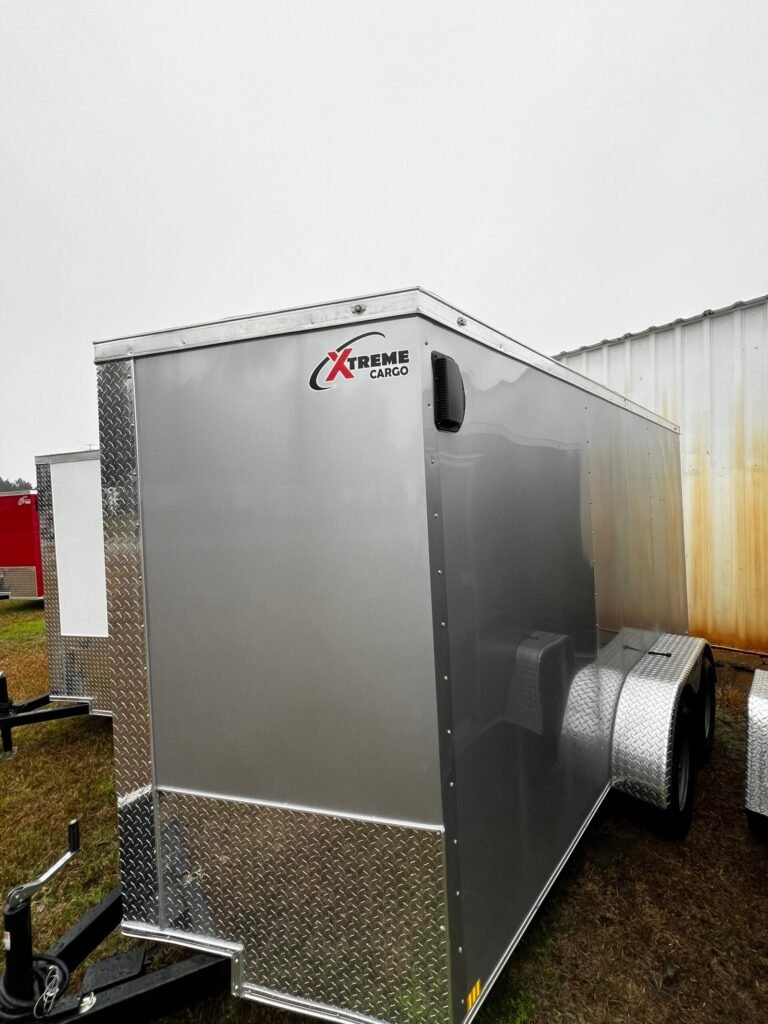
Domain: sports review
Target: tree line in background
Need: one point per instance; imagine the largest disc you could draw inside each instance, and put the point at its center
(15, 485)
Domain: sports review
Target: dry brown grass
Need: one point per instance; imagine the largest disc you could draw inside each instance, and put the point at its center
(637, 928)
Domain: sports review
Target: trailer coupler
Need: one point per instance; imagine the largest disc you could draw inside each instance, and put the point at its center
(30, 712)
(116, 989)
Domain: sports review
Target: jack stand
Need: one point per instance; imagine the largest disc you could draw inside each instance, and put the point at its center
(116, 990)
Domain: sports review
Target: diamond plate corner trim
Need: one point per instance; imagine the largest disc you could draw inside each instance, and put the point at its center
(344, 916)
(643, 732)
(757, 744)
(127, 659)
(78, 666)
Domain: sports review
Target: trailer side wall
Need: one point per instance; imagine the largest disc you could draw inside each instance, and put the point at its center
(562, 561)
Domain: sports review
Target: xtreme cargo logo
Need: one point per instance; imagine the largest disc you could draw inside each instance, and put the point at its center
(340, 364)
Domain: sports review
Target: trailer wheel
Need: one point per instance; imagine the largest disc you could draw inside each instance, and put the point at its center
(707, 707)
(676, 819)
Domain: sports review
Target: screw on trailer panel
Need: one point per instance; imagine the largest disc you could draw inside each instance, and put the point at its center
(358, 308)
(461, 321)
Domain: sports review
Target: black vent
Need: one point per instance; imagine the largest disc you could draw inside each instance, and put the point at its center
(449, 393)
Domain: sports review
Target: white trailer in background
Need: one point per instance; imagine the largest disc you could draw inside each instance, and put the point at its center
(72, 544)
(394, 601)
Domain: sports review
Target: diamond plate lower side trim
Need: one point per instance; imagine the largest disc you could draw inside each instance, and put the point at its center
(644, 729)
(128, 675)
(78, 666)
(346, 915)
(757, 745)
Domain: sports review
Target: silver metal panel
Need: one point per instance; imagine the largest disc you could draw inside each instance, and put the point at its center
(20, 581)
(757, 744)
(644, 729)
(344, 914)
(287, 579)
(128, 675)
(518, 585)
(78, 666)
(708, 373)
(362, 310)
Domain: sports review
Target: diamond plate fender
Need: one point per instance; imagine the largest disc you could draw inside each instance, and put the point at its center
(757, 745)
(644, 728)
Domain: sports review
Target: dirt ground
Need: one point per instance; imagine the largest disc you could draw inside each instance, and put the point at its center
(637, 929)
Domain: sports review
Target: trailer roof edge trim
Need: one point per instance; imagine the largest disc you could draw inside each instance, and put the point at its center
(363, 309)
(80, 456)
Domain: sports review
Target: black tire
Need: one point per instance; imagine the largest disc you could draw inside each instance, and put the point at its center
(676, 819)
(706, 706)
(758, 826)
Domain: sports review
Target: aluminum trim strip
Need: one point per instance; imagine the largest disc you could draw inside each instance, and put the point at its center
(325, 812)
(82, 456)
(128, 673)
(296, 1005)
(260, 325)
(406, 302)
(217, 947)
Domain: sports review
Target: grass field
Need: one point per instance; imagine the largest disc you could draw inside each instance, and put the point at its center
(637, 929)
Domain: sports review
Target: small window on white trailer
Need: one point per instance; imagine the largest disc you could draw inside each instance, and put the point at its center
(76, 495)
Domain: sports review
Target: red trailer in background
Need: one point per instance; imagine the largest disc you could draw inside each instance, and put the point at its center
(21, 569)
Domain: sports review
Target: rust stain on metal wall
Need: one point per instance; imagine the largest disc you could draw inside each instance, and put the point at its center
(698, 533)
(710, 375)
(756, 533)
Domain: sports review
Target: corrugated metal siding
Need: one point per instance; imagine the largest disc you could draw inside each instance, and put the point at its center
(710, 375)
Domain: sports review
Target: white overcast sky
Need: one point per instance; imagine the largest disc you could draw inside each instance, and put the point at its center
(566, 171)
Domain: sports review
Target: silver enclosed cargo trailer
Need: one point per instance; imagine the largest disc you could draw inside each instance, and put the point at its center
(365, 706)
(72, 547)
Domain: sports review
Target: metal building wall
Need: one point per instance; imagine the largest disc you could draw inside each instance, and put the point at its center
(709, 374)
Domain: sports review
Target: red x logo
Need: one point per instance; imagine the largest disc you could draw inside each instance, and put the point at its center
(339, 360)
